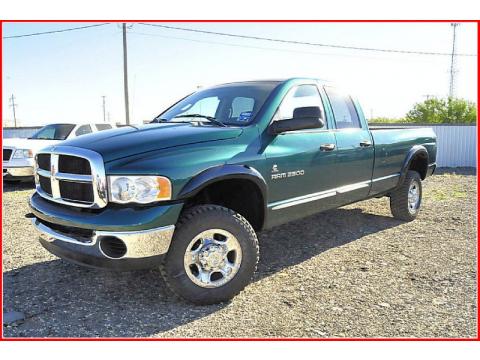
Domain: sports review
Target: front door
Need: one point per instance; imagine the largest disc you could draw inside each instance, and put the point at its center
(301, 163)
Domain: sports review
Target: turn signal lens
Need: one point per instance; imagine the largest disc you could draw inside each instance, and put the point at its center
(164, 188)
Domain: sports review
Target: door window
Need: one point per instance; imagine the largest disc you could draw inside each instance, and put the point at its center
(101, 127)
(83, 130)
(343, 108)
(299, 96)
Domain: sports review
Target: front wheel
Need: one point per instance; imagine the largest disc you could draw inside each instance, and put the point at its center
(405, 200)
(213, 255)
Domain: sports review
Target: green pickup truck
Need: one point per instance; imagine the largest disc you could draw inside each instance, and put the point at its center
(188, 192)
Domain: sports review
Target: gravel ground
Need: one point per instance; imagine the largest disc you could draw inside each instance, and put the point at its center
(350, 272)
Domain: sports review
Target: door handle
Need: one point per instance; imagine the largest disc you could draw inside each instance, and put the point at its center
(365, 143)
(327, 147)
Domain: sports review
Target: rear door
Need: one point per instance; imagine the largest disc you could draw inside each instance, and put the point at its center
(355, 152)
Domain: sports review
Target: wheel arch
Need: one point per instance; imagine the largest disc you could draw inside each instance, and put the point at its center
(216, 185)
(416, 159)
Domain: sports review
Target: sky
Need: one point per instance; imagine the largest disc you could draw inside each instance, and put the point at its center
(62, 77)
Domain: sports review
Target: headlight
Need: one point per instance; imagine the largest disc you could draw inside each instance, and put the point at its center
(22, 153)
(139, 189)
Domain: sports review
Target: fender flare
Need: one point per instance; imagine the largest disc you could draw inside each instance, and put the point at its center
(223, 172)
(417, 150)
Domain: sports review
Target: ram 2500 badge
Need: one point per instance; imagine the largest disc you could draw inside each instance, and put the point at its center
(188, 192)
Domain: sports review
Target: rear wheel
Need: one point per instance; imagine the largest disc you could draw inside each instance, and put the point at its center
(213, 255)
(405, 201)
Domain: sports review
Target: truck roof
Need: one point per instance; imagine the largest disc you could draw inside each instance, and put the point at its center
(273, 81)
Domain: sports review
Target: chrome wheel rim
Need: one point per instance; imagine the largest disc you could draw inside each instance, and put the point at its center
(212, 258)
(413, 197)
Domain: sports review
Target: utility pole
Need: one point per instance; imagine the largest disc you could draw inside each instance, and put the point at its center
(13, 105)
(103, 103)
(125, 74)
(453, 69)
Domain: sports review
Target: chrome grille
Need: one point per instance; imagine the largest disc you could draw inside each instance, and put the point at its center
(71, 176)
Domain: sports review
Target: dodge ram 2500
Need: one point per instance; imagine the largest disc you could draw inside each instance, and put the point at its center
(188, 192)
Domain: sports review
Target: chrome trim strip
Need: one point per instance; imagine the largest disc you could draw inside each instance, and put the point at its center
(144, 243)
(66, 176)
(352, 187)
(74, 177)
(327, 193)
(302, 199)
(53, 177)
(43, 173)
(386, 177)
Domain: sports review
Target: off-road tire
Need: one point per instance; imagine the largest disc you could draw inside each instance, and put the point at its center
(194, 221)
(399, 198)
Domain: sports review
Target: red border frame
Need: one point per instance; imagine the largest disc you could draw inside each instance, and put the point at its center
(2, 338)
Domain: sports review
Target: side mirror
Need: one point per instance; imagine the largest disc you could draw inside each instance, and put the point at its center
(309, 117)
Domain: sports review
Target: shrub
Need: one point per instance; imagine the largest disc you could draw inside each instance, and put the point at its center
(438, 111)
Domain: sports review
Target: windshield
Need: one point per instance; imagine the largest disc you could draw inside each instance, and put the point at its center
(233, 104)
(54, 132)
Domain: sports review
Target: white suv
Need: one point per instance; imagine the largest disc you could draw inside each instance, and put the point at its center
(18, 154)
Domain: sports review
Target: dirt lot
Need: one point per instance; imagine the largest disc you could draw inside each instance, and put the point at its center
(351, 272)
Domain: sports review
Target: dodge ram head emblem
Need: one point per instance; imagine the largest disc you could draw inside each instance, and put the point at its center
(274, 168)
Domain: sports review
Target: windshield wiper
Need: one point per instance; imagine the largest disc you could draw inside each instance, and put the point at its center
(209, 118)
(158, 120)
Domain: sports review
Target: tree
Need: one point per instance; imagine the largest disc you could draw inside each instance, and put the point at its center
(438, 111)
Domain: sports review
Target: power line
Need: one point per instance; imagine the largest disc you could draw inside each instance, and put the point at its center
(302, 42)
(241, 36)
(55, 31)
(260, 47)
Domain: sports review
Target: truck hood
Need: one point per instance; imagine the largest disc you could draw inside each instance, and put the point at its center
(130, 140)
(32, 144)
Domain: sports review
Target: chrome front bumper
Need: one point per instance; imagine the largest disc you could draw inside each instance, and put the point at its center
(139, 244)
(18, 171)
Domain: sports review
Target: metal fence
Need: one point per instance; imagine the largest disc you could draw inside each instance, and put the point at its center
(456, 144)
